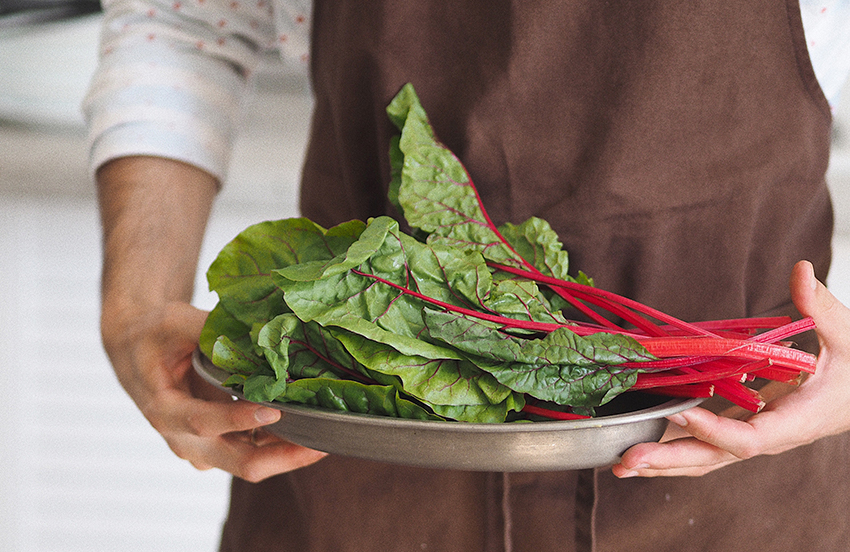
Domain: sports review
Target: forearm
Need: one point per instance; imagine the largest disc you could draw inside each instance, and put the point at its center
(154, 213)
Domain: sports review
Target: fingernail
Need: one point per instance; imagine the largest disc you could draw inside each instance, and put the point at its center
(634, 471)
(265, 415)
(678, 419)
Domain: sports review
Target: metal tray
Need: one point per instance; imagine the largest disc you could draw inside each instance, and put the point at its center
(509, 447)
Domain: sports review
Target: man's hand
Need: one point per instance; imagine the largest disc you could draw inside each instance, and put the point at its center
(200, 423)
(700, 441)
(154, 214)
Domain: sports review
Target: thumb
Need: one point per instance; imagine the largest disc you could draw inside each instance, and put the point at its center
(813, 299)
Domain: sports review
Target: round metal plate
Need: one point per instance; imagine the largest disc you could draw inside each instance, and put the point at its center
(509, 447)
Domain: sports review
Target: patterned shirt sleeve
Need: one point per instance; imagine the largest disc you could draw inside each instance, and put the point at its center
(826, 25)
(293, 19)
(171, 78)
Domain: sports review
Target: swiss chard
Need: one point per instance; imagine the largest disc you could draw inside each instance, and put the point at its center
(461, 319)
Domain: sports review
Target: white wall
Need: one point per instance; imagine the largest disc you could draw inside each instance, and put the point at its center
(80, 469)
(839, 182)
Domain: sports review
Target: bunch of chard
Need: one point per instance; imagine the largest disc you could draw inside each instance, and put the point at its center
(459, 319)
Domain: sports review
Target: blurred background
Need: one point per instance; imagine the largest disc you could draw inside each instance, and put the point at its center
(81, 468)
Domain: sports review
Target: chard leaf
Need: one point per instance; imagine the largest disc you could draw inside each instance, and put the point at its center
(356, 290)
(483, 414)
(589, 385)
(536, 242)
(260, 385)
(237, 357)
(433, 188)
(396, 165)
(220, 322)
(561, 367)
(435, 381)
(522, 300)
(241, 274)
(356, 301)
(229, 343)
(263, 386)
(352, 396)
(297, 350)
(561, 346)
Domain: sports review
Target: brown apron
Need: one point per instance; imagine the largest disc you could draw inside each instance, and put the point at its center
(678, 148)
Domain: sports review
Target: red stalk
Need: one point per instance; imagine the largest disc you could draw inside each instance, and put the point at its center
(505, 321)
(744, 325)
(667, 347)
(710, 371)
(785, 331)
(592, 292)
(739, 394)
(776, 373)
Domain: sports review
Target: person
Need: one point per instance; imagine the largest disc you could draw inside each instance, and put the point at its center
(679, 150)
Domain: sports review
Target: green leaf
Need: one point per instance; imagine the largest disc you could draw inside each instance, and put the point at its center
(263, 387)
(237, 357)
(435, 381)
(396, 166)
(354, 300)
(220, 322)
(536, 242)
(561, 346)
(351, 396)
(566, 385)
(297, 349)
(241, 274)
(561, 367)
(433, 188)
(522, 300)
(482, 414)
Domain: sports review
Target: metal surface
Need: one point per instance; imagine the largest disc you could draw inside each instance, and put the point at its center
(509, 447)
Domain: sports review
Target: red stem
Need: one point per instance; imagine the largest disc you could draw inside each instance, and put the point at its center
(505, 321)
(619, 306)
(667, 347)
(709, 372)
(607, 295)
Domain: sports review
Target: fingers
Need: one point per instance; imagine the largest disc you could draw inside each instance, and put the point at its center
(175, 412)
(239, 456)
(201, 423)
(808, 294)
(228, 436)
(206, 427)
(712, 441)
(694, 452)
(704, 441)
(254, 463)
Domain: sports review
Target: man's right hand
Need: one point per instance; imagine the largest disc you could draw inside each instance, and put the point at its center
(154, 214)
(200, 423)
